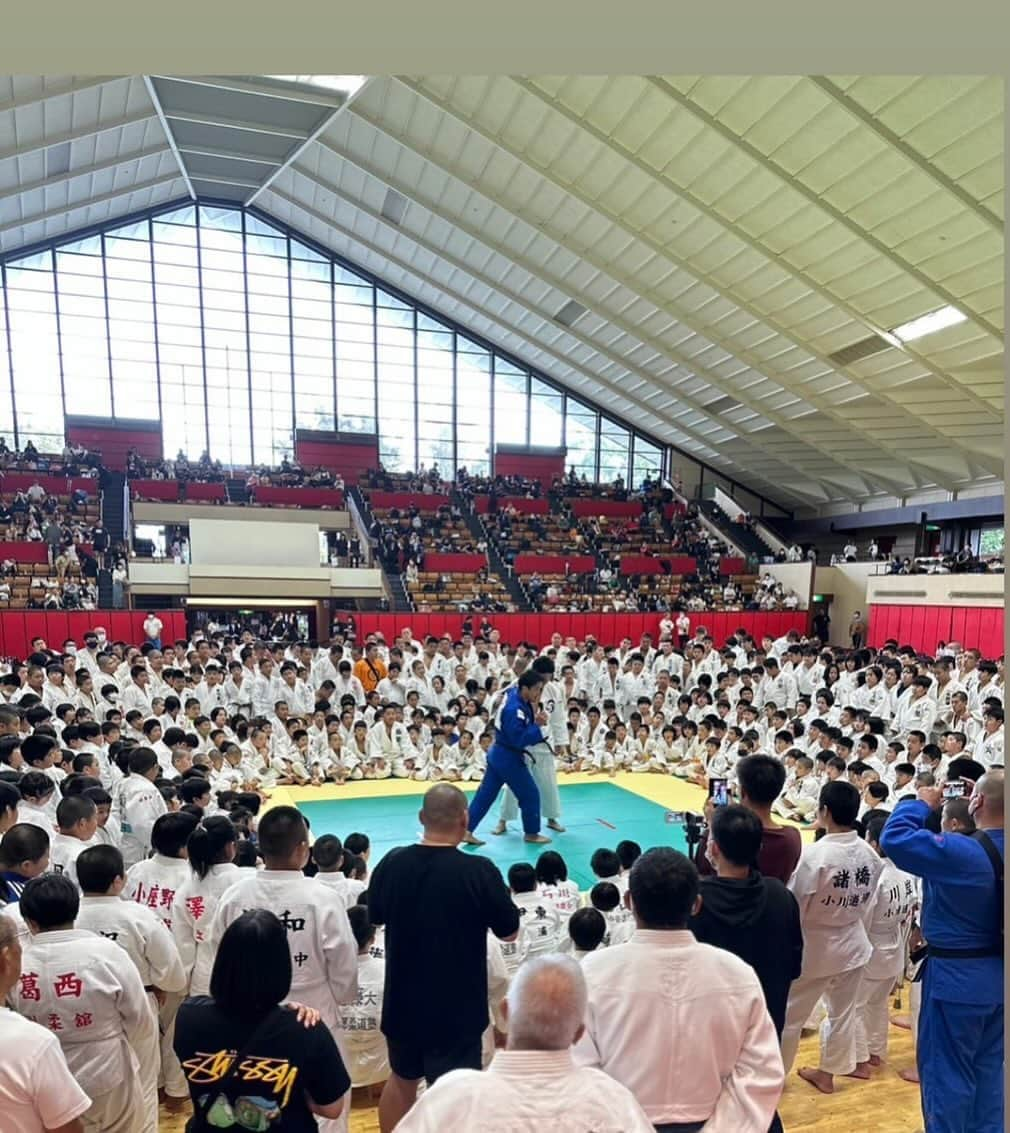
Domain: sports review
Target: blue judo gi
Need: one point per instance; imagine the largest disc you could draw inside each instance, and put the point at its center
(959, 1046)
(506, 764)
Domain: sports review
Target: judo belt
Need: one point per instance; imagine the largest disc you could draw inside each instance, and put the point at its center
(955, 954)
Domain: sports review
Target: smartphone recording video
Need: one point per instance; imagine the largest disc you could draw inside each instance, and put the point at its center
(955, 789)
(718, 792)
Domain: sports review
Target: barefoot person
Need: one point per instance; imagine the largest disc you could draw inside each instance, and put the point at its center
(543, 766)
(521, 725)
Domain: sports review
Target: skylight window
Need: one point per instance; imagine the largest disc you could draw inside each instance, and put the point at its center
(929, 324)
(344, 84)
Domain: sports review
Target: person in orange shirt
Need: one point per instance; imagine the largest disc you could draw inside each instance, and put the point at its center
(370, 669)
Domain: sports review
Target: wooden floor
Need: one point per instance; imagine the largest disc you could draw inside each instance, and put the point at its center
(885, 1104)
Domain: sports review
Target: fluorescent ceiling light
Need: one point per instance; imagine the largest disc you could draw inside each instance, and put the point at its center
(345, 84)
(928, 324)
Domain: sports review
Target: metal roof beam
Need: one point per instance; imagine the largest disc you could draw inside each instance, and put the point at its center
(663, 253)
(909, 153)
(160, 111)
(297, 152)
(78, 135)
(756, 245)
(83, 171)
(126, 191)
(538, 272)
(462, 299)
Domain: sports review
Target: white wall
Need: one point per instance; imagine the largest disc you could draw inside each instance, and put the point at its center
(848, 585)
(233, 581)
(146, 512)
(793, 576)
(937, 590)
(213, 543)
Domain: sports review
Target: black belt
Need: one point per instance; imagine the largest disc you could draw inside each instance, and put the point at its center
(963, 953)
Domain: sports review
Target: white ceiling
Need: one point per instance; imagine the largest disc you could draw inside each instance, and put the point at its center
(726, 237)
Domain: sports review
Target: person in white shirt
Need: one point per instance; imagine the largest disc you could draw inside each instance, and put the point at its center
(540, 921)
(834, 884)
(323, 951)
(35, 808)
(136, 694)
(38, 1093)
(139, 804)
(361, 1019)
(987, 748)
(144, 938)
(888, 928)
(77, 819)
(650, 1013)
(210, 854)
(154, 883)
(535, 1081)
(75, 983)
(153, 626)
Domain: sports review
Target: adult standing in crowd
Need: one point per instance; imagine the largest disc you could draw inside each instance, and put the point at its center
(651, 1022)
(761, 779)
(520, 726)
(38, 1094)
(437, 905)
(754, 917)
(543, 766)
(959, 1047)
(534, 1081)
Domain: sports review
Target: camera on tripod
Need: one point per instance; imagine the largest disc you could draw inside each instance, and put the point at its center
(694, 826)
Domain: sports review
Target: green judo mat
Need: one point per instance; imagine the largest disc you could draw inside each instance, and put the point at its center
(593, 814)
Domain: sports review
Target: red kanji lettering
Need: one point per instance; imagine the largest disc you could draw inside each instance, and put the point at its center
(152, 897)
(83, 1019)
(55, 1022)
(196, 907)
(167, 897)
(30, 986)
(68, 985)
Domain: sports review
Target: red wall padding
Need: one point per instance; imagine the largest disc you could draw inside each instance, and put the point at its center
(24, 552)
(350, 459)
(520, 503)
(115, 442)
(54, 485)
(922, 627)
(676, 508)
(532, 465)
(404, 500)
(608, 629)
(454, 562)
(555, 564)
(298, 497)
(732, 564)
(650, 564)
(196, 491)
(619, 509)
(18, 627)
(167, 491)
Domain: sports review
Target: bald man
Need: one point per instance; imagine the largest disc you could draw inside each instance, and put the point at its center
(533, 1083)
(959, 1047)
(38, 1089)
(437, 905)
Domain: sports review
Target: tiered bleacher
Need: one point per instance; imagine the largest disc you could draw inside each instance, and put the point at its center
(50, 524)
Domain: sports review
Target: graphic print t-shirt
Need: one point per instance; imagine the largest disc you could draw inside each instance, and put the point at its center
(268, 1092)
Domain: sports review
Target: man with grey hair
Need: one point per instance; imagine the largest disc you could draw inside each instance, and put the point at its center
(533, 1082)
(39, 1092)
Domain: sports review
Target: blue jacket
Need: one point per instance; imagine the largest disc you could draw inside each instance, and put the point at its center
(516, 730)
(960, 902)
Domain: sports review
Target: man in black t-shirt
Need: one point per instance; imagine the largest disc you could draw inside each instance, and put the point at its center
(437, 905)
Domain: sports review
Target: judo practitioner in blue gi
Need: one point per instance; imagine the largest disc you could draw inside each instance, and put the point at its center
(959, 1047)
(520, 727)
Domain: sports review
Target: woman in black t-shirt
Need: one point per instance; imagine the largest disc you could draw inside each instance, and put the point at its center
(288, 1066)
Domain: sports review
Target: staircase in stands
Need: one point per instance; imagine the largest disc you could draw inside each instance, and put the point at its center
(496, 563)
(398, 597)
